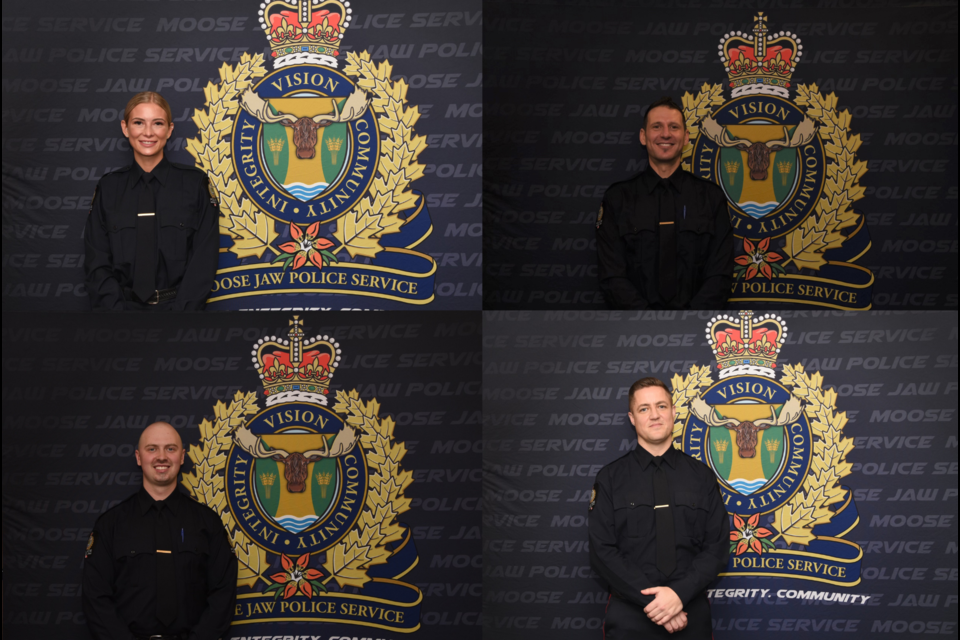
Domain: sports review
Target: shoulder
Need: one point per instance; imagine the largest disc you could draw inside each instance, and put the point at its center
(712, 189)
(109, 518)
(619, 189)
(699, 470)
(611, 472)
(206, 515)
(191, 173)
(114, 178)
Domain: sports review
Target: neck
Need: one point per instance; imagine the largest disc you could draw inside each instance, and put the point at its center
(158, 492)
(664, 169)
(148, 163)
(656, 449)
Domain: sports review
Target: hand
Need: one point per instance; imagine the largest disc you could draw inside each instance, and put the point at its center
(676, 623)
(666, 604)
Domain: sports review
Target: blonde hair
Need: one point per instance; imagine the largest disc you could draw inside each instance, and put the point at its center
(145, 97)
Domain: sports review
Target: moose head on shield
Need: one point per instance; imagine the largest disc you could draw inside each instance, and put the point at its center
(303, 150)
(753, 459)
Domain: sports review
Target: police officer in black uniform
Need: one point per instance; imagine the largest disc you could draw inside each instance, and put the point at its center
(663, 237)
(659, 533)
(159, 565)
(151, 237)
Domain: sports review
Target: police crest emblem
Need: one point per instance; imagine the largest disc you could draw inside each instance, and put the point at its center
(314, 168)
(309, 494)
(790, 173)
(778, 450)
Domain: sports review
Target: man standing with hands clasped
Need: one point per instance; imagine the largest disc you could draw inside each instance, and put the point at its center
(658, 529)
(158, 565)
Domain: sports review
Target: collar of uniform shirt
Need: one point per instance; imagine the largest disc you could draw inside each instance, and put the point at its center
(651, 179)
(645, 458)
(146, 501)
(159, 172)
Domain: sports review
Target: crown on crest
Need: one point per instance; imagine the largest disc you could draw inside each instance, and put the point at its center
(305, 31)
(746, 345)
(292, 369)
(760, 62)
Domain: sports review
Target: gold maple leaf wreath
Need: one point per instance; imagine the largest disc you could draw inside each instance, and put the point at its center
(365, 545)
(821, 232)
(377, 214)
(821, 488)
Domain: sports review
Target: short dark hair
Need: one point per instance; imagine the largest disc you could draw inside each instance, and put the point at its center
(665, 101)
(644, 383)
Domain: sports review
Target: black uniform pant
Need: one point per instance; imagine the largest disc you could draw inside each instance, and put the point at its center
(627, 621)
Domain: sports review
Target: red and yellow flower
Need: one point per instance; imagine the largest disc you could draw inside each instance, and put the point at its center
(750, 536)
(305, 247)
(296, 577)
(759, 260)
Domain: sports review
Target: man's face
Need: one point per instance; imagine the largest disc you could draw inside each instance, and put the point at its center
(664, 135)
(652, 415)
(160, 454)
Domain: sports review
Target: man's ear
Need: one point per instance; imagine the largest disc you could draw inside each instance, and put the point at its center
(136, 452)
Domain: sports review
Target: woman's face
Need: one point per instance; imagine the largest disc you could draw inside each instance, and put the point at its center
(147, 129)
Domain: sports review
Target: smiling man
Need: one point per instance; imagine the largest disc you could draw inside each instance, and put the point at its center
(658, 529)
(663, 237)
(159, 565)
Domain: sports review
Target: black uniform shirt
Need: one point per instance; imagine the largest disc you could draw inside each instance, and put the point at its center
(188, 241)
(628, 244)
(120, 574)
(622, 525)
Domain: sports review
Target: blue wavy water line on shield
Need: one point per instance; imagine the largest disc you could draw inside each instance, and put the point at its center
(746, 487)
(296, 525)
(756, 209)
(305, 192)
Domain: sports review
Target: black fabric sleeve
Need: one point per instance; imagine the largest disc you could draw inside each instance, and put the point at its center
(617, 289)
(103, 622)
(222, 585)
(203, 257)
(716, 548)
(626, 578)
(718, 267)
(103, 288)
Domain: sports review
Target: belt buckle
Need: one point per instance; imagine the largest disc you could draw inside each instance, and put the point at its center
(154, 299)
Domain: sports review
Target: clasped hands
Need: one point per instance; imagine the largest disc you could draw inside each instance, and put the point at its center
(666, 609)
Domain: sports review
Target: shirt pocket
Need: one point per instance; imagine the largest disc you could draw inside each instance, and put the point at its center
(633, 515)
(695, 233)
(122, 233)
(135, 565)
(177, 229)
(691, 516)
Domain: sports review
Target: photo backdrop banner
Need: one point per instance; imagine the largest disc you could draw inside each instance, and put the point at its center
(851, 493)
(396, 190)
(858, 212)
(78, 390)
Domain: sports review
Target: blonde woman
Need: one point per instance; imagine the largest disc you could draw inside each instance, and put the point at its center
(151, 236)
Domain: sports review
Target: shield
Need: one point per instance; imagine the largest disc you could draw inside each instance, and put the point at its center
(757, 198)
(746, 475)
(304, 179)
(296, 512)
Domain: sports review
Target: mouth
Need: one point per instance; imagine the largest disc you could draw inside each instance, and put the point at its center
(161, 468)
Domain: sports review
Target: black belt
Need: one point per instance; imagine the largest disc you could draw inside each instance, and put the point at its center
(158, 296)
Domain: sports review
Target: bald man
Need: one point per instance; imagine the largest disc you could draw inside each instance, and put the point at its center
(159, 566)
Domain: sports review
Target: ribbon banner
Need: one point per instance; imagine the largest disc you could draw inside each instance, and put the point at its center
(828, 558)
(397, 273)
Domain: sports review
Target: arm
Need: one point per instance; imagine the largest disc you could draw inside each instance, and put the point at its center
(718, 267)
(617, 288)
(716, 549)
(222, 585)
(103, 621)
(625, 578)
(103, 288)
(204, 254)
